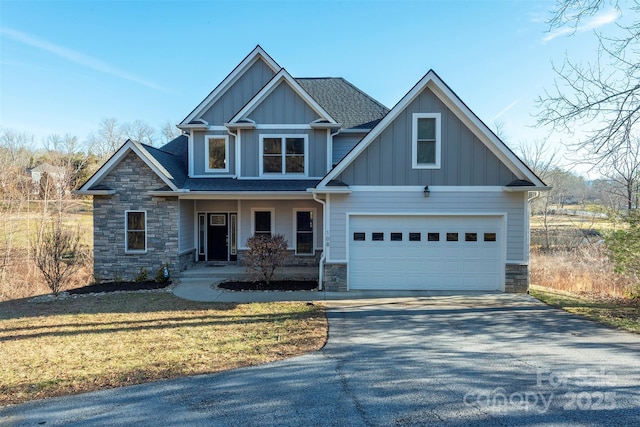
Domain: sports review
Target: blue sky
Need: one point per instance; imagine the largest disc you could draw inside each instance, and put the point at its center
(66, 65)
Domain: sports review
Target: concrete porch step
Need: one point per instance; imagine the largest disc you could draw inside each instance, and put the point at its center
(216, 272)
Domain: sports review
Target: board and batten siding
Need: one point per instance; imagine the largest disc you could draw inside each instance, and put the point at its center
(465, 160)
(514, 205)
(343, 143)
(187, 224)
(201, 157)
(283, 105)
(237, 96)
(284, 219)
(250, 150)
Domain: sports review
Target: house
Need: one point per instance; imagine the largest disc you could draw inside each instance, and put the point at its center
(55, 178)
(422, 196)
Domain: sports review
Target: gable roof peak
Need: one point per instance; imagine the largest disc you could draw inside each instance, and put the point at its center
(257, 53)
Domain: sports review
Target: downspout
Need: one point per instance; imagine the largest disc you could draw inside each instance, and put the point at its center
(323, 257)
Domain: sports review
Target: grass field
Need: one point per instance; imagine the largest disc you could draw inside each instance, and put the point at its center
(95, 342)
(620, 313)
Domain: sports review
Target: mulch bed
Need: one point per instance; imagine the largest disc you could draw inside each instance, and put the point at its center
(119, 286)
(281, 285)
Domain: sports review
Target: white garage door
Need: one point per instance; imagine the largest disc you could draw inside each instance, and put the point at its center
(425, 252)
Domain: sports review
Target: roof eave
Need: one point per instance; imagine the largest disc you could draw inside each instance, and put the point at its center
(523, 188)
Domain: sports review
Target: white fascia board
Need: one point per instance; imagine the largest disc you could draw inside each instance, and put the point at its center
(193, 126)
(330, 190)
(522, 189)
(282, 75)
(377, 130)
(481, 130)
(139, 150)
(247, 62)
(451, 100)
(154, 165)
(432, 188)
(94, 192)
(325, 125)
(247, 195)
(167, 193)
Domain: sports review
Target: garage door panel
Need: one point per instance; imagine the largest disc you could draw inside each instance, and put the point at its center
(468, 263)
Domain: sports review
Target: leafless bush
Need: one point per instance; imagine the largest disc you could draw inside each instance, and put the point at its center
(57, 255)
(266, 253)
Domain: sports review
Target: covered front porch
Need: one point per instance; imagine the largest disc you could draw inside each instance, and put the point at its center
(217, 227)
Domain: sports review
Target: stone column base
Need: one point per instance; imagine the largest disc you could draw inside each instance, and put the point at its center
(516, 279)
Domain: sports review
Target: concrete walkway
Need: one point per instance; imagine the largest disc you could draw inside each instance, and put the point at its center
(198, 284)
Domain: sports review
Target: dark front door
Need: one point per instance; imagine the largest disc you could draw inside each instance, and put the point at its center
(218, 237)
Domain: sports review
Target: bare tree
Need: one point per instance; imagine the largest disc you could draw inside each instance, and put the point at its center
(139, 131)
(623, 170)
(107, 139)
(15, 192)
(169, 131)
(56, 255)
(604, 94)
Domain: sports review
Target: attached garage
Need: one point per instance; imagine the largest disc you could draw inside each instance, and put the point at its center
(423, 252)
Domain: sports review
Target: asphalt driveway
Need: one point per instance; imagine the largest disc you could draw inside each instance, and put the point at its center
(464, 360)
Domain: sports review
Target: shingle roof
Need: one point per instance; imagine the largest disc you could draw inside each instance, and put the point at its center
(344, 102)
(174, 162)
(232, 184)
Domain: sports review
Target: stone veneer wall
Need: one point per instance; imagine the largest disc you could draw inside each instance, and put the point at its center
(132, 179)
(516, 279)
(335, 277)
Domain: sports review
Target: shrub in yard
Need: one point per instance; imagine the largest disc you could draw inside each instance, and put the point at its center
(162, 275)
(265, 254)
(57, 255)
(624, 247)
(142, 276)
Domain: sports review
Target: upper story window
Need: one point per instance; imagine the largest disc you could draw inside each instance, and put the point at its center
(217, 153)
(425, 141)
(283, 154)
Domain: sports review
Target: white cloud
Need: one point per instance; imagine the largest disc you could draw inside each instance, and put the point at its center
(592, 23)
(77, 57)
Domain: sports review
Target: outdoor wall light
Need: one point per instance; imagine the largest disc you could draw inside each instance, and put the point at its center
(427, 192)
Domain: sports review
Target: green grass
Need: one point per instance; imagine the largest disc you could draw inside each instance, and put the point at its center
(615, 312)
(95, 342)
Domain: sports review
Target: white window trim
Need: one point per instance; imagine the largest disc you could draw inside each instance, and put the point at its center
(253, 219)
(126, 233)
(314, 213)
(284, 174)
(414, 140)
(226, 153)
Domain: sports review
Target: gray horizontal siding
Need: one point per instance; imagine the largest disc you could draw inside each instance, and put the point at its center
(200, 156)
(465, 160)
(251, 150)
(245, 88)
(472, 202)
(283, 105)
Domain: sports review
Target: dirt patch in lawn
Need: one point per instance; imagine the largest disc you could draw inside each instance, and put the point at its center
(119, 286)
(280, 285)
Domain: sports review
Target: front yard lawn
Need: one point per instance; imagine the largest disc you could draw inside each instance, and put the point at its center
(617, 312)
(103, 341)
